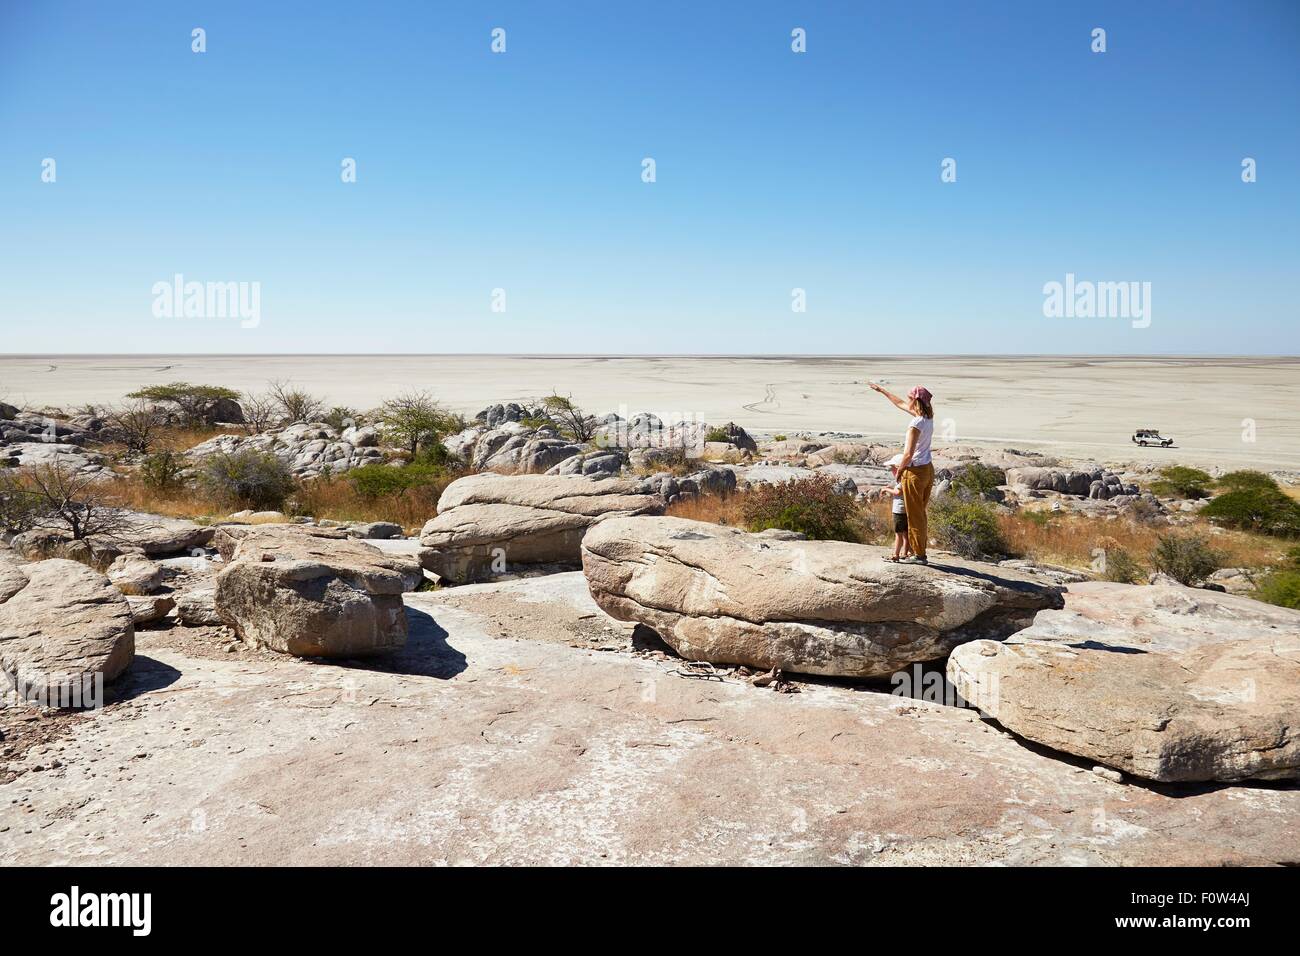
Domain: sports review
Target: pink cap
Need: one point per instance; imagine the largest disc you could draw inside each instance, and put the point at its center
(920, 392)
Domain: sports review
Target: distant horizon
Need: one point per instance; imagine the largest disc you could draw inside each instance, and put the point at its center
(846, 356)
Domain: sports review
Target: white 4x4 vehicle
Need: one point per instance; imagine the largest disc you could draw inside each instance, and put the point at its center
(1151, 436)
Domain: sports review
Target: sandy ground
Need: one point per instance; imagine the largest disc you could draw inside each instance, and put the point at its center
(1072, 406)
(522, 726)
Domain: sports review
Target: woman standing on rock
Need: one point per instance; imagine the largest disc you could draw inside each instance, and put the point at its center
(916, 472)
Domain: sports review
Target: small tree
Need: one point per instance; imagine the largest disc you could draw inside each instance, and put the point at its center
(137, 425)
(192, 402)
(261, 413)
(162, 471)
(19, 509)
(573, 421)
(296, 404)
(63, 497)
(415, 421)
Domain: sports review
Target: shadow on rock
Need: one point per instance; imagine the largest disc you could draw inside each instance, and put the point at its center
(144, 675)
(425, 654)
(1091, 645)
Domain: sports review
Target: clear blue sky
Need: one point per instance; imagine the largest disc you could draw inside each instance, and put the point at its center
(775, 170)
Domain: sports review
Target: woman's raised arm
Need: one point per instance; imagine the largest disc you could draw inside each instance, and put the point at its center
(901, 405)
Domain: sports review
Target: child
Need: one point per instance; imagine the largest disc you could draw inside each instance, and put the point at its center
(901, 547)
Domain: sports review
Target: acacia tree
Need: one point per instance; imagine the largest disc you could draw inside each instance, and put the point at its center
(191, 402)
(416, 421)
(573, 421)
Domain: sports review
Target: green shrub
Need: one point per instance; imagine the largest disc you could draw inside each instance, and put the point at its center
(977, 480)
(717, 434)
(1120, 566)
(341, 416)
(1243, 480)
(20, 509)
(778, 438)
(378, 481)
(1178, 481)
(1282, 587)
(246, 478)
(969, 528)
(807, 505)
(1188, 559)
(162, 471)
(1041, 519)
(1261, 509)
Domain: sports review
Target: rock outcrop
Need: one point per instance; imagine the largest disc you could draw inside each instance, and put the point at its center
(1095, 483)
(314, 595)
(815, 607)
(1164, 682)
(490, 524)
(309, 449)
(63, 626)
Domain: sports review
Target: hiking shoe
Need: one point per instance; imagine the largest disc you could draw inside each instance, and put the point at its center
(916, 559)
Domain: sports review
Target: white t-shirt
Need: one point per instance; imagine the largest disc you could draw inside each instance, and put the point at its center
(899, 507)
(925, 429)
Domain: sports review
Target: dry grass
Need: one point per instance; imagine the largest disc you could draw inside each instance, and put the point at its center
(171, 438)
(714, 509)
(873, 522)
(335, 499)
(1067, 540)
(128, 491)
(1070, 540)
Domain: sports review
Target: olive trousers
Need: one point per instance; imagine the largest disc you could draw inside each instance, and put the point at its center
(916, 482)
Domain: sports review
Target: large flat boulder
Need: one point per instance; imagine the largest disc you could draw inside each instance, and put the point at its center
(1164, 682)
(150, 535)
(63, 627)
(315, 595)
(157, 536)
(815, 607)
(489, 524)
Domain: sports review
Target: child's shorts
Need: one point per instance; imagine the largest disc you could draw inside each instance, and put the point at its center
(900, 523)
